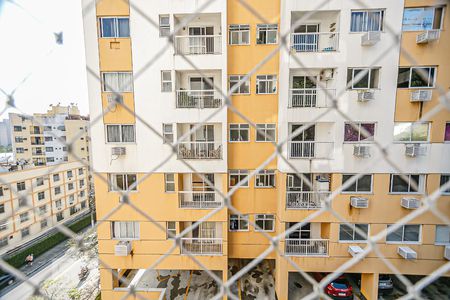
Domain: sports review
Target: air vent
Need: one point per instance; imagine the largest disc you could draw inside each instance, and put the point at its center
(359, 202)
(355, 250)
(361, 151)
(370, 38)
(427, 36)
(414, 150)
(122, 248)
(410, 203)
(407, 253)
(366, 95)
(421, 95)
(118, 151)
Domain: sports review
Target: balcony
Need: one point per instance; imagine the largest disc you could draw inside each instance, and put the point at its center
(198, 44)
(311, 97)
(198, 99)
(306, 247)
(199, 150)
(202, 246)
(305, 199)
(315, 42)
(310, 149)
(199, 200)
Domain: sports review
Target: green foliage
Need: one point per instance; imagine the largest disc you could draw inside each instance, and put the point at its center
(18, 259)
(74, 294)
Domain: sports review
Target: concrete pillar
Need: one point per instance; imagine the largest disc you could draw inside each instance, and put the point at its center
(225, 279)
(281, 278)
(369, 285)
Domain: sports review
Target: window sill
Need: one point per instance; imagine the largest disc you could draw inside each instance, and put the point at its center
(403, 243)
(357, 193)
(352, 242)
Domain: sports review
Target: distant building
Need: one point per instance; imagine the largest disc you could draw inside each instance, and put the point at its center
(41, 139)
(5, 133)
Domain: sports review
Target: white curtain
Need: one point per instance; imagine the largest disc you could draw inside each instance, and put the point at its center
(357, 22)
(127, 133)
(113, 133)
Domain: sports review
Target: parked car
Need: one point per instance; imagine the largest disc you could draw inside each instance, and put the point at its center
(385, 284)
(339, 289)
(6, 279)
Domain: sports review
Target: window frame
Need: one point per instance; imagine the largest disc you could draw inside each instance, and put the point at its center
(353, 233)
(368, 140)
(241, 174)
(168, 181)
(423, 9)
(265, 174)
(267, 28)
(245, 83)
(111, 187)
(421, 184)
(238, 218)
(265, 132)
(116, 27)
(105, 89)
(239, 129)
(356, 184)
(163, 26)
(412, 125)
(238, 28)
(445, 243)
(120, 133)
(136, 231)
(403, 235)
(442, 182)
(264, 78)
(173, 230)
(264, 218)
(366, 12)
(168, 133)
(409, 87)
(165, 81)
(369, 78)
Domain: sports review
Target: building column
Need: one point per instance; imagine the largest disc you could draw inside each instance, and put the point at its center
(225, 279)
(281, 278)
(369, 285)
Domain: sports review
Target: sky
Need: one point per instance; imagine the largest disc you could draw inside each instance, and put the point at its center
(55, 73)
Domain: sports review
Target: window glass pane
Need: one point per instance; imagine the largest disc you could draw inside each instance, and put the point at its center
(402, 132)
(399, 185)
(420, 77)
(374, 21)
(352, 187)
(403, 77)
(108, 27)
(119, 184)
(364, 183)
(357, 21)
(127, 133)
(124, 27)
(131, 179)
(345, 232)
(395, 236)
(412, 233)
(416, 19)
(419, 132)
(113, 133)
(351, 134)
(444, 180)
(363, 82)
(365, 229)
(442, 234)
(370, 128)
(414, 184)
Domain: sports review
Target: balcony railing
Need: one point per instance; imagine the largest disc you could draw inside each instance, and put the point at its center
(306, 247)
(315, 97)
(315, 42)
(199, 150)
(305, 199)
(198, 44)
(310, 149)
(199, 200)
(198, 99)
(201, 246)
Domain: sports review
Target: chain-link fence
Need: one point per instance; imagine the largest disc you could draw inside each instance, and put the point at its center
(428, 201)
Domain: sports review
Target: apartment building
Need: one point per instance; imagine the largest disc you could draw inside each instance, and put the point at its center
(43, 138)
(5, 133)
(34, 200)
(341, 49)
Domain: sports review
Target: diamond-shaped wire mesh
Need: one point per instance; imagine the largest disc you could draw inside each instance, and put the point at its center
(374, 242)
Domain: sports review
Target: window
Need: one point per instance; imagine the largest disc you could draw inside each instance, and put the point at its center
(265, 222)
(352, 134)
(239, 34)
(1, 191)
(266, 84)
(405, 234)
(70, 186)
(265, 179)
(169, 182)
(50, 159)
(59, 216)
(25, 232)
(18, 139)
(20, 150)
(167, 133)
(349, 233)
(363, 78)
(21, 186)
(17, 128)
(265, 132)
(122, 182)
(48, 139)
(24, 217)
(83, 204)
(42, 209)
(69, 174)
(367, 20)
(3, 225)
(39, 181)
(422, 18)
(236, 176)
(266, 33)
(71, 199)
(411, 132)
(171, 230)
(125, 230)
(447, 132)
(58, 203)
(120, 133)
(445, 178)
(408, 183)
(3, 242)
(57, 190)
(362, 185)
(115, 27)
(239, 132)
(48, 149)
(117, 82)
(2, 208)
(416, 77)
(82, 193)
(81, 182)
(243, 88)
(80, 171)
(166, 81)
(442, 235)
(22, 201)
(55, 177)
(41, 195)
(238, 222)
(44, 223)
(164, 25)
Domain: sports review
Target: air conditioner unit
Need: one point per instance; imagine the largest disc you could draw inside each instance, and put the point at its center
(359, 202)
(427, 36)
(407, 253)
(326, 74)
(118, 151)
(122, 248)
(421, 95)
(114, 98)
(447, 252)
(366, 95)
(413, 150)
(410, 203)
(361, 151)
(355, 250)
(370, 38)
